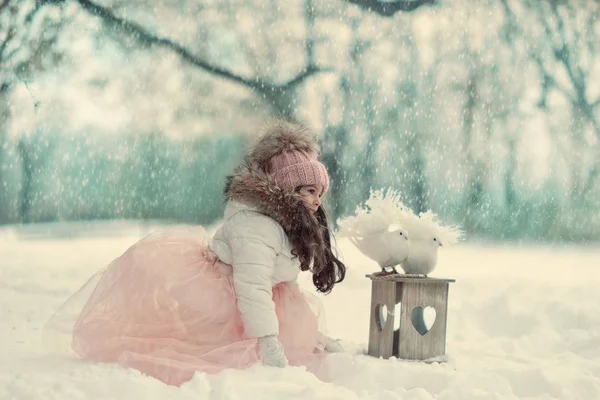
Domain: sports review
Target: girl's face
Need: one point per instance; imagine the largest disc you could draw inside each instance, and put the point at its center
(311, 195)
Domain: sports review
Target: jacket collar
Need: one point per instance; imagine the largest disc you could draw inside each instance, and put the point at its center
(255, 189)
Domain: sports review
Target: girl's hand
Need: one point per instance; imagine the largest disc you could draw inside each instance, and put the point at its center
(330, 345)
(271, 351)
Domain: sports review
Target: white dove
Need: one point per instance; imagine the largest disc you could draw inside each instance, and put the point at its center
(427, 236)
(387, 248)
(373, 232)
(423, 256)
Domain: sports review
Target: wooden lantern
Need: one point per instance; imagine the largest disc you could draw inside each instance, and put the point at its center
(423, 315)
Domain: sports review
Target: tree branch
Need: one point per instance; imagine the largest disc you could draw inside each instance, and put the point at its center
(145, 37)
(9, 35)
(576, 75)
(565, 54)
(302, 76)
(387, 8)
(561, 51)
(576, 40)
(309, 15)
(548, 80)
(512, 27)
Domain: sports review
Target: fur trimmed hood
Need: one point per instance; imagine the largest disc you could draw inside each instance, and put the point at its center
(252, 184)
(254, 187)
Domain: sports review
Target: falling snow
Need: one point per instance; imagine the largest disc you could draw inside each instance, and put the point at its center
(485, 112)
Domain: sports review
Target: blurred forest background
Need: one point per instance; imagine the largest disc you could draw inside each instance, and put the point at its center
(486, 111)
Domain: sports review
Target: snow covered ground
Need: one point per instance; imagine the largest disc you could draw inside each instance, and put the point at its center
(523, 323)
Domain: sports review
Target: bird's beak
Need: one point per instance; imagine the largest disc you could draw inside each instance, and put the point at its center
(406, 237)
(441, 245)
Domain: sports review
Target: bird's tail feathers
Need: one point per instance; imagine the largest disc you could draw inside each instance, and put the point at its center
(427, 224)
(375, 215)
(384, 210)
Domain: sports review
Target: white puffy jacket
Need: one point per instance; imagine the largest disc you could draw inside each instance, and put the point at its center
(259, 252)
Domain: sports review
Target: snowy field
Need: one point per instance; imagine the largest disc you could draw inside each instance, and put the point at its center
(523, 323)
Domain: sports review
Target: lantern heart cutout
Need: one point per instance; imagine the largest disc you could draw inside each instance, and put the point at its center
(381, 313)
(397, 311)
(423, 319)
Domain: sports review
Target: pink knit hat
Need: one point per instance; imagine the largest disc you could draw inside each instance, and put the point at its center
(295, 168)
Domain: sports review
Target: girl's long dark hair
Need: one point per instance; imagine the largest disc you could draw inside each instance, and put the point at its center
(310, 238)
(315, 253)
(327, 268)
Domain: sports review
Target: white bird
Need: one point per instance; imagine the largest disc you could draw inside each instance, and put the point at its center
(373, 232)
(387, 248)
(375, 228)
(423, 256)
(427, 236)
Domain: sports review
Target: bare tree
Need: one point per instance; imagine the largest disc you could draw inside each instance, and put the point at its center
(279, 96)
(337, 139)
(390, 8)
(27, 39)
(34, 151)
(416, 95)
(569, 49)
(478, 112)
(334, 144)
(510, 119)
(475, 160)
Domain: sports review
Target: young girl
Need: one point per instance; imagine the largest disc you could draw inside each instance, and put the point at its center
(177, 302)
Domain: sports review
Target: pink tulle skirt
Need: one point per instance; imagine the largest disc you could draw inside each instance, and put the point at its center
(167, 307)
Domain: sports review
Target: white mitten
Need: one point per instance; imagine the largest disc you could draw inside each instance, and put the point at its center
(271, 351)
(330, 345)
